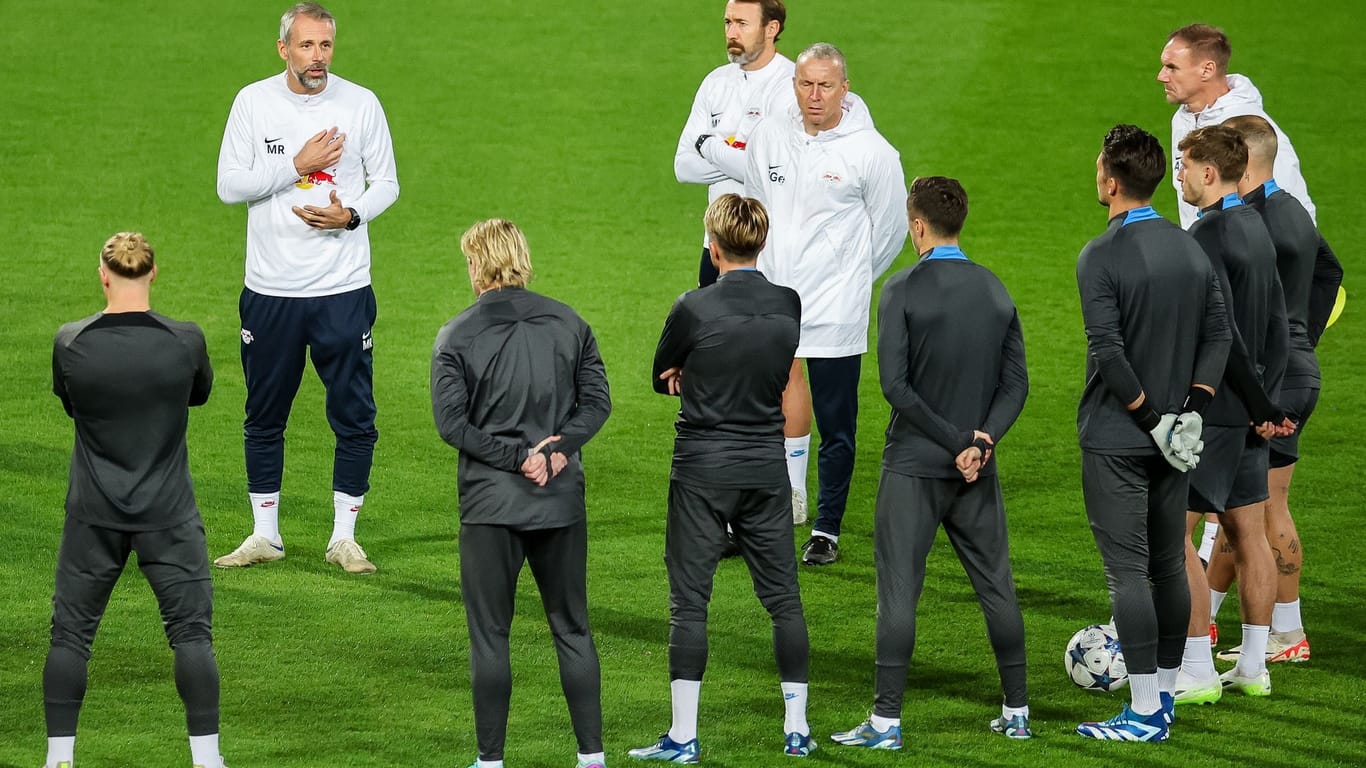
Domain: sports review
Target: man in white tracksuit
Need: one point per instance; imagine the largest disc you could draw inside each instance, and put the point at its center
(836, 198)
(731, 101)
(1195, 76)
(311, 156)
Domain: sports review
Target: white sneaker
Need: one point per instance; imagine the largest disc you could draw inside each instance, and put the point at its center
(348, 554)
(798, 506)
(255, 549)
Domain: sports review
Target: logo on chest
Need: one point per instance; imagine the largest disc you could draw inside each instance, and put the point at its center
(774, 174)
(274, 147)
(830, 177)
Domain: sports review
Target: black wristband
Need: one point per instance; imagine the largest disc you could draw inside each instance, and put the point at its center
(700, 141)
(982, 445)
(1196, 400)
(1146, 418)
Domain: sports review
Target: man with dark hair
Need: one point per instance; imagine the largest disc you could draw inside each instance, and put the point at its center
(956, 382)
(127, 377)
(1144, 284)
(837, 197)
(1302, 261)
(310, 154)
(1195, 76)
(518, 387)
(731, 101)
(1231, 479)
(726, 350)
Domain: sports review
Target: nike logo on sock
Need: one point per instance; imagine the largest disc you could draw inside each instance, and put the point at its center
(797, 453)
(789, 696)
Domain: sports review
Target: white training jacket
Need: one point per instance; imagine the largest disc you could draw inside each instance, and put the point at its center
(266, 128)
(1243, 98)
(837, 219)
(729, 104)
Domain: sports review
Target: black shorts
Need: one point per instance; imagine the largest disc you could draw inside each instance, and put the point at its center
(1298, 403)
(1232, 470)
(174, 560)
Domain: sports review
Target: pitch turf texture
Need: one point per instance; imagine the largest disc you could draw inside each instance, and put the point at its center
(563, 117)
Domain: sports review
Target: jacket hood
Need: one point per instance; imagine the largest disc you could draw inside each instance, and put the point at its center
(857, 118)
(1241, 98)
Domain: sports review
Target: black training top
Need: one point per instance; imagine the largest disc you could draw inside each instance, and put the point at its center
(512, 369)
(951, 360)
(128, 380)
(1155, 325)
(1297, 248)
(1244, 257)
(734, 341)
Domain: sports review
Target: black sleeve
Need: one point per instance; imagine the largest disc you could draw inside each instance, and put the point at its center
(1211, 351)
(893, 356)
(203, 372)
(1242, 379)
(450, 407)
(1323, 290)
(1277, 342)
(675, 342)
(1104, 338)
(594, 400)
(1009, 399)
(59, 380)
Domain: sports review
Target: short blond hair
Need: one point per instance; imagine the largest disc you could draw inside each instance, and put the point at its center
(128, 254)
(499, 253)
(739, 225)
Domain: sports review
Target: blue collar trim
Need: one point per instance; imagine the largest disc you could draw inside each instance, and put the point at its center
(946, 252)
(1146, 213)
(1270, 187)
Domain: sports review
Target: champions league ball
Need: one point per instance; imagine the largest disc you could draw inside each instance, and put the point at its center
(1094, 660)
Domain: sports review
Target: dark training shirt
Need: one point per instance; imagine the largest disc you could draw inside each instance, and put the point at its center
(1155, 325)
(951, 360)
(128, 380)
(1244, 257)
(1297, 249)
(512, 369)
(735, 341)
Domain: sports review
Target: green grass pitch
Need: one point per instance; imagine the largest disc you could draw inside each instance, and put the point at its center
(563, 117)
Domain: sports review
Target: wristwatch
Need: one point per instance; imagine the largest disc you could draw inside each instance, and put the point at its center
(700, 141)
(355, 219)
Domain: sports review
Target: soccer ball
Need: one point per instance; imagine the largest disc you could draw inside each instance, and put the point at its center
(1094, 660)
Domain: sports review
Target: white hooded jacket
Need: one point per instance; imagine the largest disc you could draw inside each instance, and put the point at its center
(837, 220)
(1243, 98)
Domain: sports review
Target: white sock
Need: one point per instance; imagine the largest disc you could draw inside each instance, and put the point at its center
(1198, 660)
(1145, 693)
(797, 449)
(1285, 617)
(345, 510)
(883, 724)
(1252, 659)
(204, 751)
(823, 534)
(685, 695)
(60, 749)
(1166, 679)
(794, 709)
(597, 757)
(1009, 712)
(1207, 540)
(1216, 599)
(265, 511)
(489, 763)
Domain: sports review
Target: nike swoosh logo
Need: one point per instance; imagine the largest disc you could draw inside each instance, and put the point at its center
(278, 547)
(717, 114)
(272, 141)
(775, 167)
